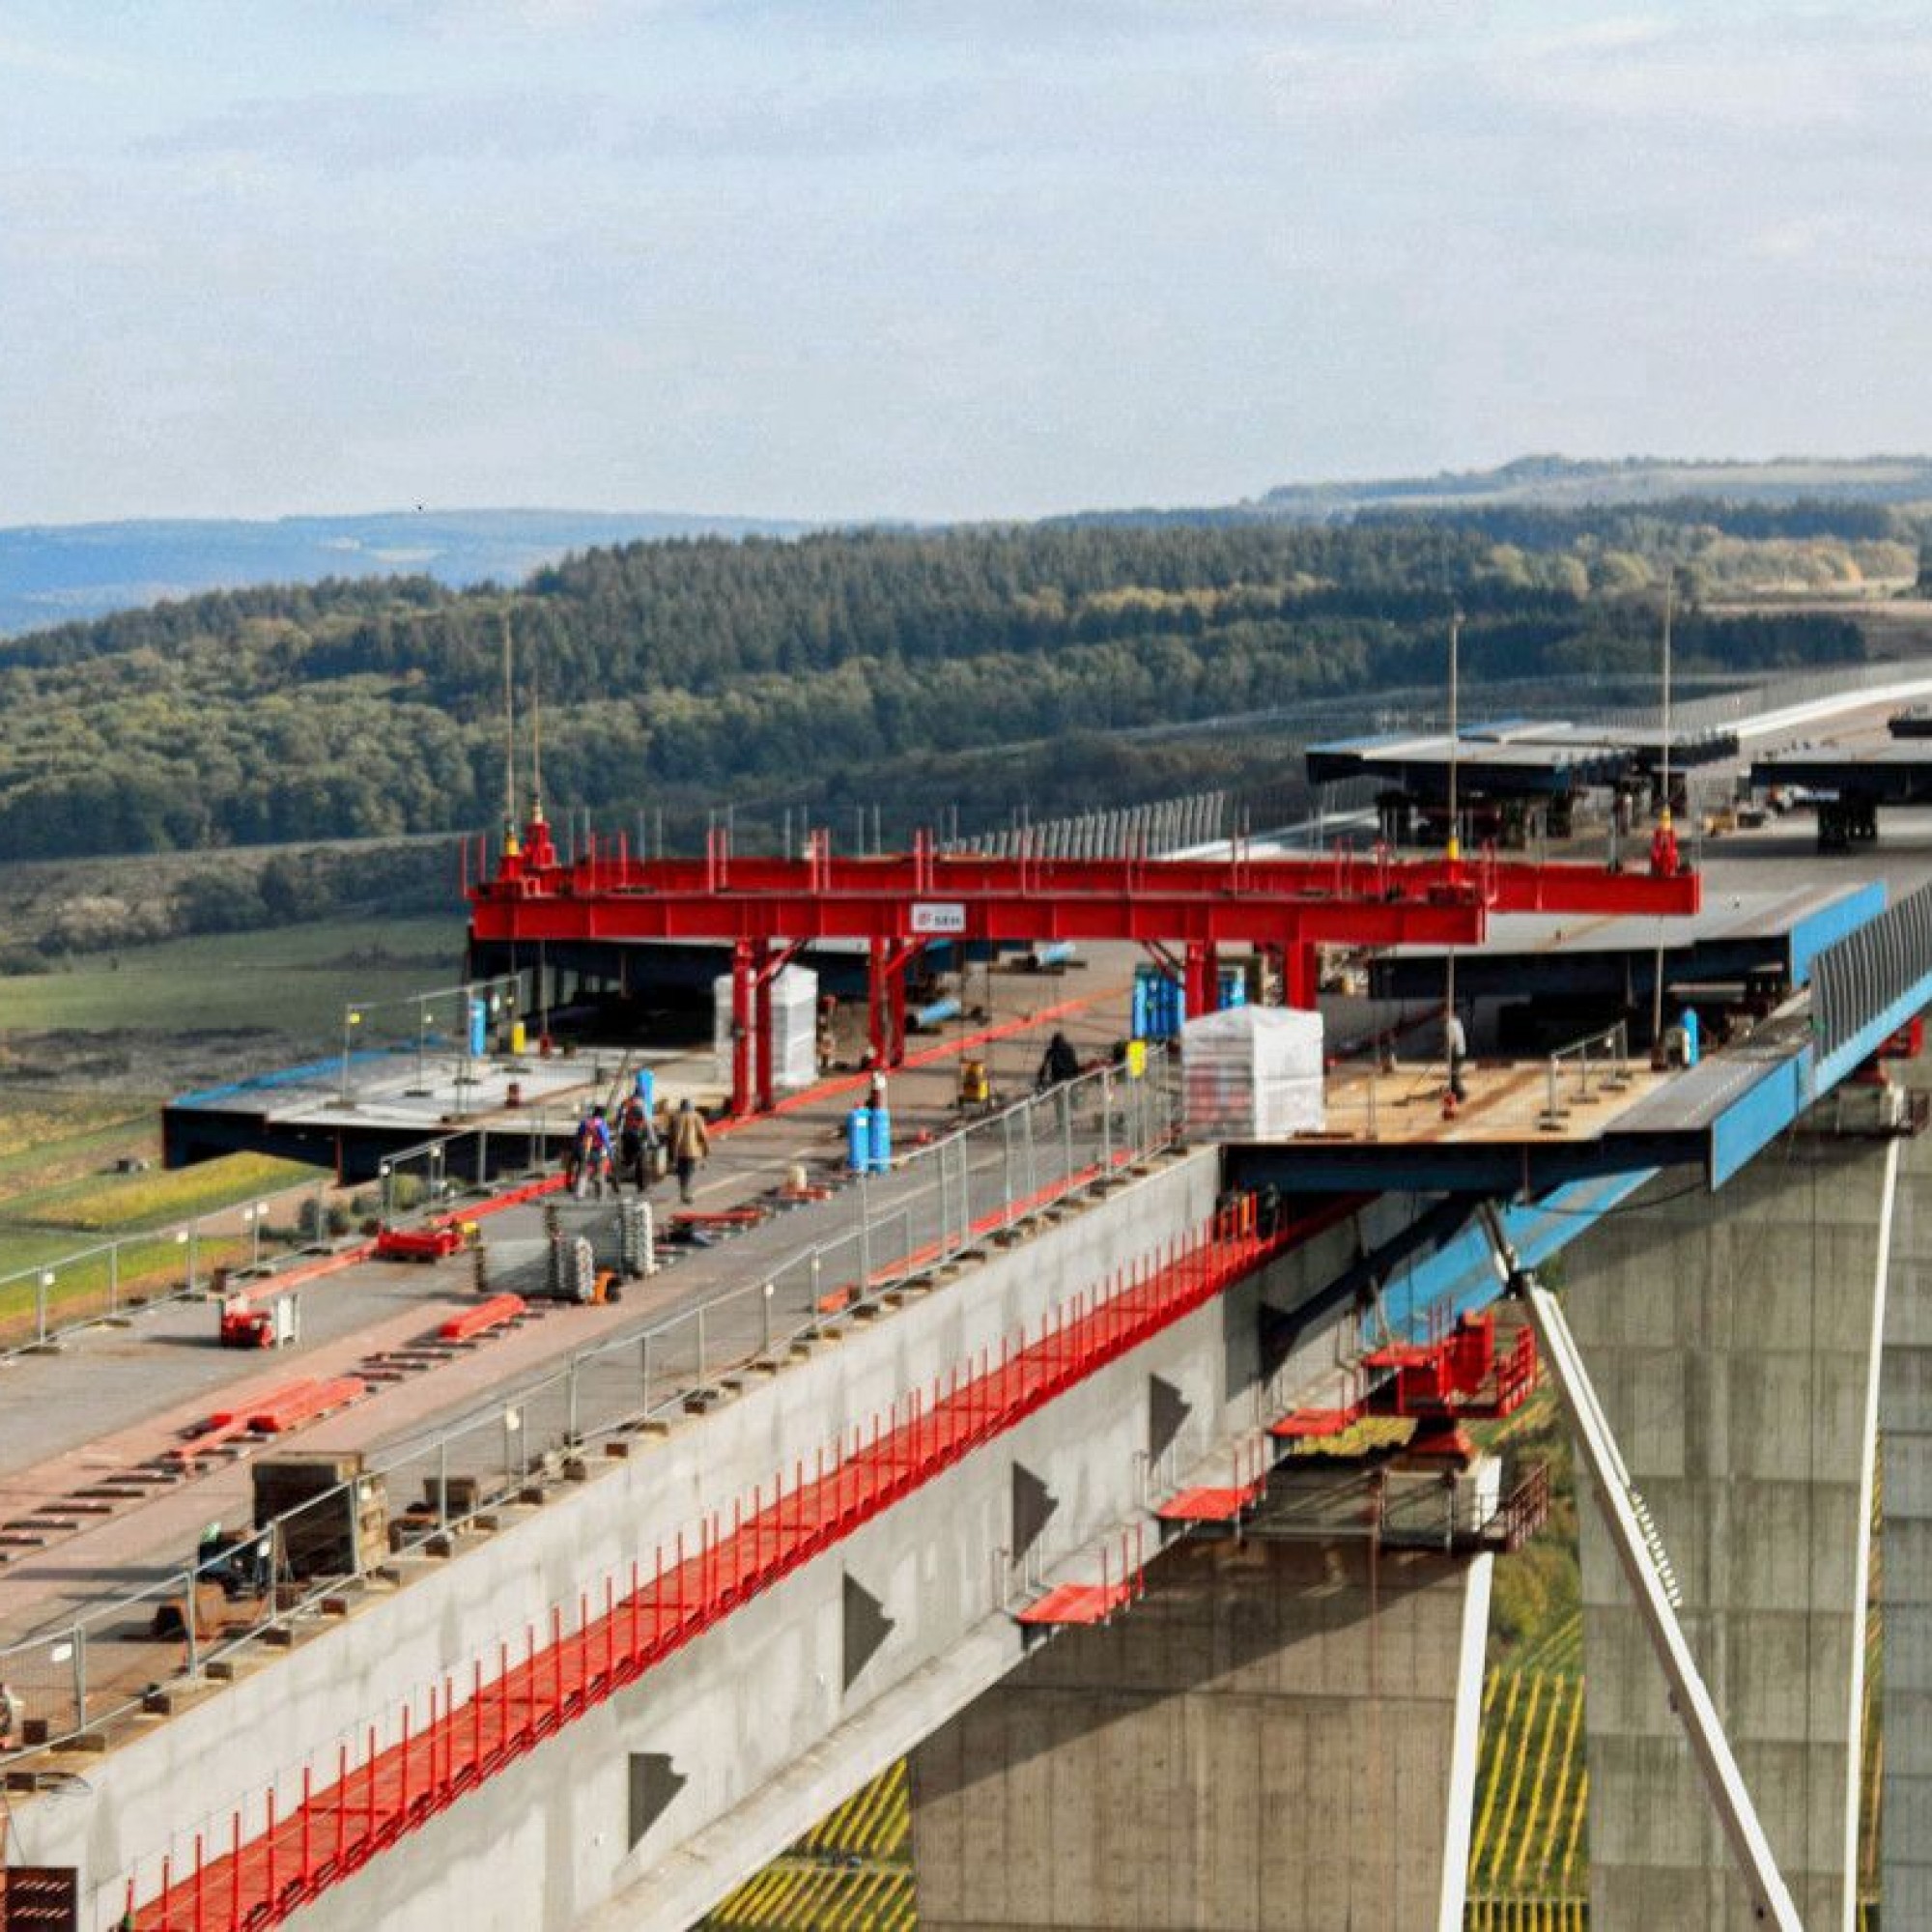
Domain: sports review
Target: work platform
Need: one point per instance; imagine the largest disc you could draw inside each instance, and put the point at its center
(352, 1116)
(1518, 757)
(1526, 1126)
(1740, 938)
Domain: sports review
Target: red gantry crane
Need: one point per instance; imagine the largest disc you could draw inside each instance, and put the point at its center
(1182, 910)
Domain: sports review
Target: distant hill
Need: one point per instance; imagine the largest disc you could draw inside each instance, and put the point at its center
(1556, 482)
(51, 574)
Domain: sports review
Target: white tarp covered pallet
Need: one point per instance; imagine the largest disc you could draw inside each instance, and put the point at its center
(794, 1027)
(1252, 1073)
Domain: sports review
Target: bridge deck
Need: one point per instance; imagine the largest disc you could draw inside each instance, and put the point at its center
(1505, 1101)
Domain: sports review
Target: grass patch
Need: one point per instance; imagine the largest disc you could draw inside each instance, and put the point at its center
(119, 1201)
(291, 980)
(30, 1124)
(139, 1271)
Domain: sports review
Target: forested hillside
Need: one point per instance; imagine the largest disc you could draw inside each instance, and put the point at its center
(680, 672)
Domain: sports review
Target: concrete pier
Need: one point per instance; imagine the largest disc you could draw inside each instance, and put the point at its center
(1281, 1736)
(1734, 1340)
(1905, 1423)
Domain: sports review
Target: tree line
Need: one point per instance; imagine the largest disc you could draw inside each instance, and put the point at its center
(673, 672)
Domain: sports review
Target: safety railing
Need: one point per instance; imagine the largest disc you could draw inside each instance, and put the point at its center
(322, 1820)
(1586, 1070)
(946, 1201)
(1454, 1509)
(469, 1163)
(56, 1298)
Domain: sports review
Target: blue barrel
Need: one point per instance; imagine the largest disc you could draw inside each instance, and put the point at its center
(646, 1086)
(1166, 1008)
(859, 1139)
(881, 1148)
(479, 1028)
(1142, 991)
(1233, 988)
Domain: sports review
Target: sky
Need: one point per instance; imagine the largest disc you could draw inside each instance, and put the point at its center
(891, 258)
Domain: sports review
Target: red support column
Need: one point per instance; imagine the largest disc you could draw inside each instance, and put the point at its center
(895, 988)
(741, 1028)
(877, 1020)
(763, 1021)
(1301, 974)
(1204, 977)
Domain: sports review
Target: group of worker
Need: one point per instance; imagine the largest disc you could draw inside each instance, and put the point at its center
(598, 1160)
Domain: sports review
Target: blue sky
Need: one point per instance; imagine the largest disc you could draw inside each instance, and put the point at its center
(906, 259)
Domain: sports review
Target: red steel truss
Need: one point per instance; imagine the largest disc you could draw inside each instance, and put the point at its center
(532, 1690)
(766, 907)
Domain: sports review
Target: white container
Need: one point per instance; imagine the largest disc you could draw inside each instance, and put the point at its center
(794, 996)
(1252, 1073)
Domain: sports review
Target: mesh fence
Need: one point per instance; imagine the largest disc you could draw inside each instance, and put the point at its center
(942, 1203)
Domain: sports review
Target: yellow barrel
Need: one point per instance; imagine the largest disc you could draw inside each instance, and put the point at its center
(519, 1039)
(1136, 1058)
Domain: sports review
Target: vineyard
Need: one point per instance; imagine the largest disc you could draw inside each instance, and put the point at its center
(852, 1872)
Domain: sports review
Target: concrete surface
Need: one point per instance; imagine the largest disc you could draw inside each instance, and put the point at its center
(1733, 1342)
(1905, 1422)
(1269, 1742)
(547, 1841)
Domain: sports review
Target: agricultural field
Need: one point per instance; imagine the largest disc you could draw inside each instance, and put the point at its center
(88, 1054)
(163, 1016)
(78, 1237)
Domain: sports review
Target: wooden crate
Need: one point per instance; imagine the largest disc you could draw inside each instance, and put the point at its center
(333, 1519)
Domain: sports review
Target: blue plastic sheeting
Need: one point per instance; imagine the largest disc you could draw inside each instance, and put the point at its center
(283, 1077)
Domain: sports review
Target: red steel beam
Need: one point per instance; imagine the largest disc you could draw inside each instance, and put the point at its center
(1145, 913)
(1503, 885)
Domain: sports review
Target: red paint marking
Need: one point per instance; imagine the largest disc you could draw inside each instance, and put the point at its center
(341, 1827)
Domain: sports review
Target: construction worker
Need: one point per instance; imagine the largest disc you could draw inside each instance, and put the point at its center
(1456, 1050)
(1058, 1064)
(636, 1143)
(690, 1145)
(590, 1154)
(1664, 862)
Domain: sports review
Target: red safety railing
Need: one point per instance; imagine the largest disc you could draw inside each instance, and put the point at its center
(264, 1873)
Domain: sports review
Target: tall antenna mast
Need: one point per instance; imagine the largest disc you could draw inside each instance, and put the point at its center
(1455, 846)
(536, 745)
(1665, 840)
(1664, 761)
(509, 729)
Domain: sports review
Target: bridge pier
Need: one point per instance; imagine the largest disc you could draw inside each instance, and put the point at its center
(1905, 1419)
(1733, 1341)
(1281, 1735)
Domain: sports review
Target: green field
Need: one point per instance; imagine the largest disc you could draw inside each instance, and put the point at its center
(294, 981)
(88, 1054)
